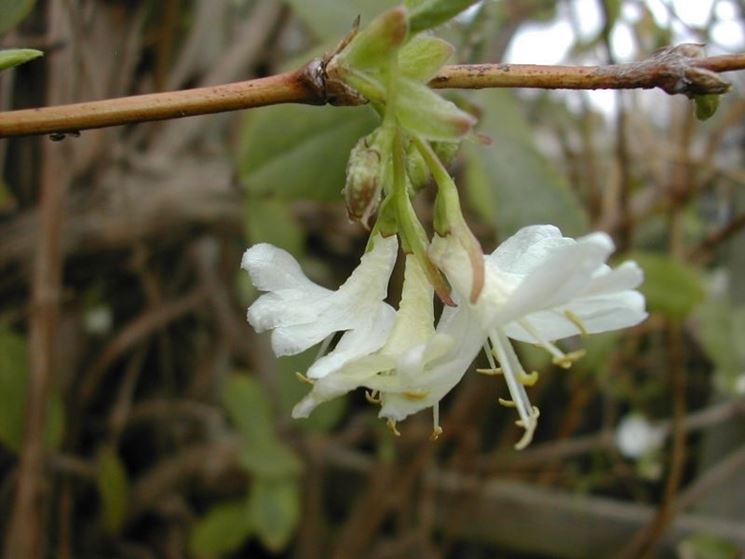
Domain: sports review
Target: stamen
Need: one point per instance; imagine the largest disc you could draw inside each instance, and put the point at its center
(304, 379)
(490, 372)
(529, 428)
(392, 426)
(577, 321)
(372, 396)
(528, 379)
(568, 359)
(540, 340)
(507, 403)
(512, 371)
(415, 395)
(436, 429)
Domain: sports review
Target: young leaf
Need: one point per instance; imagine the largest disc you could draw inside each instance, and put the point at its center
(706, 105)
(113, 489)
(432, 13)
(222, 530)
(422, 57)
(275, 511)
(423, 112)
(374, 45)
(270, 460)
(15, 57)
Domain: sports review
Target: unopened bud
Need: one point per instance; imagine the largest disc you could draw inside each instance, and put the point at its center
(363, 185)
(416, 168)
(446, 151)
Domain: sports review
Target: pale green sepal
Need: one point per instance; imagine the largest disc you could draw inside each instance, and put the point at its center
(421, 111)
(15, 57)
(422, 57)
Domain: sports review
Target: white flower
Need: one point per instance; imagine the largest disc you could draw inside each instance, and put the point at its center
(540, 287)
(417, 365)
(301, 313)
(636, 437)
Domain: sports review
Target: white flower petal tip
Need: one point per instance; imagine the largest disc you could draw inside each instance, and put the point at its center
(301, 313)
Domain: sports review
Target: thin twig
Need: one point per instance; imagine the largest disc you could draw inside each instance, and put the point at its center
(674, 70)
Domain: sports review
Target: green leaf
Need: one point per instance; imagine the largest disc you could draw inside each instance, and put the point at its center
(15, 57)
(13, 390)
(270, 220)
(299, 152)
(706, 105)
(423, 56)
(264, 453)
(270, 460)
(377, 42)
(331, 18)
(13, 379)
(721, 329)
(705, 546)
(275, 510)
(13, 12)
(672, 288)
(113, 489)
(424, 112)
(509, 182)
(222, 530)
(436, 12)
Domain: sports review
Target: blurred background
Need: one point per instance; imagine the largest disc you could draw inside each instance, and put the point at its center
(160, 423)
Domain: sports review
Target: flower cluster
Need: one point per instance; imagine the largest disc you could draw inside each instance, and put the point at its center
(537, 287)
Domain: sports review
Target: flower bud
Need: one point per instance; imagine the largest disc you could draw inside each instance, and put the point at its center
(363, 186)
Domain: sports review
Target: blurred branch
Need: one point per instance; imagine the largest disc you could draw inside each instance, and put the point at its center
(679, 69)
(26, 529)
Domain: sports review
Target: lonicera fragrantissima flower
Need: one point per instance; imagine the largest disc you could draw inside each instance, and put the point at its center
(540, 287)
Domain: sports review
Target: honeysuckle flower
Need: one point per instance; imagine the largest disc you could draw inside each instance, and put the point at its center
(417, 365)
(301, 313)
(540, 287)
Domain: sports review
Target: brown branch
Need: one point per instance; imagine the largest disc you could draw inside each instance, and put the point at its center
(679, 69)
(25, 536)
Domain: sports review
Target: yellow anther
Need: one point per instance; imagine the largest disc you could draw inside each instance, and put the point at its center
(372, 397)
(304, 379)
(577, 321)
(392, 426)
(415, 395)
(529, 429)
(490, 372)
(507, 403)
(527, 379)
(565, 361)
(436, 432)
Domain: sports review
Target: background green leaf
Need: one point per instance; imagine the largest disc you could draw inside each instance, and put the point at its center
(14, 57)
(222, 530)
(275, 510)
(334, 19)
(671, 287)
(12, 12)
(113, 489)
(510, 183)
(264, 453)
(299, 152)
